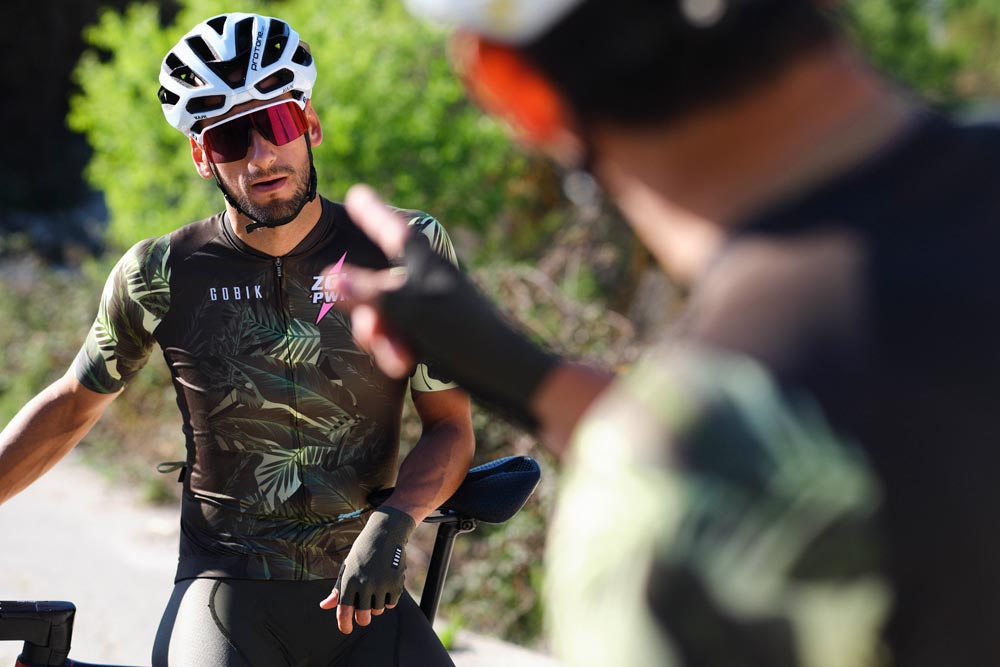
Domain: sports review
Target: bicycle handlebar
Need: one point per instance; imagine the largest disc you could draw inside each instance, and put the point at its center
(45, 627)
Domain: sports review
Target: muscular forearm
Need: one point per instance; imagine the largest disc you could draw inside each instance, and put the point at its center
(434, 469)
(44, 430)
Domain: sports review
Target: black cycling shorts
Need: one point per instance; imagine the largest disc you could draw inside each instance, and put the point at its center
(249, 623)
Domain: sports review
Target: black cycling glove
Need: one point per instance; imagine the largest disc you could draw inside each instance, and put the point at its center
(372, 575)
(451, 326)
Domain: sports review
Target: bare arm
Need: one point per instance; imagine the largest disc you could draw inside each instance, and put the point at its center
(438, 462)
(429, 475)
(45, 430)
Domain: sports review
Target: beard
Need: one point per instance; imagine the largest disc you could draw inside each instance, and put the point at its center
(279, 212)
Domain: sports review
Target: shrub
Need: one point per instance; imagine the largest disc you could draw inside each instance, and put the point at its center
(393, 115)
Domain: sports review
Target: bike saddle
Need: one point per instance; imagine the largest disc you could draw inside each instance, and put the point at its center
(492, 492)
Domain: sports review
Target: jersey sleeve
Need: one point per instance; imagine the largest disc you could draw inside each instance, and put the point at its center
(136, 297)
(712, 503)
(426, 376)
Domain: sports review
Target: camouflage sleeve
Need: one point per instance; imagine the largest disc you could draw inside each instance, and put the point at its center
(712, 518)
(135, 299)
(426, 377)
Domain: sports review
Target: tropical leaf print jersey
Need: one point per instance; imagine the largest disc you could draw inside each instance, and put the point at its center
(288, 424)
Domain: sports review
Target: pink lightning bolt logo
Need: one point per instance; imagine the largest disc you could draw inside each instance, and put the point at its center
(320, 293)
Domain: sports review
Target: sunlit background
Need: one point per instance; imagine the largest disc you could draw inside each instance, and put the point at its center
(90, 166)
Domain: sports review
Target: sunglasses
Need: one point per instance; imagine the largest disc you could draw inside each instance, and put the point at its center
(228, 141)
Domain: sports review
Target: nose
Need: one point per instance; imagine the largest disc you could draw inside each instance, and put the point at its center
(261, 152)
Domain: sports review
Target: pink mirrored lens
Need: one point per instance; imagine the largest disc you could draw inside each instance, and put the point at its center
(279, 124)
(282, 124)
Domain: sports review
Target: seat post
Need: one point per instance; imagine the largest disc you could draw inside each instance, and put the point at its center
(450, 527)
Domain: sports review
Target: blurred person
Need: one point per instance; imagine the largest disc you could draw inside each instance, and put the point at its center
(805, 473)
(289, 426)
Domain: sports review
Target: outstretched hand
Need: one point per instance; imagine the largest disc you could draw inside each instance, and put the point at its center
(362, 289)
(428, 308)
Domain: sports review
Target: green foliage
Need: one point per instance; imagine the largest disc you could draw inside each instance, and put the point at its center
(43, 314)
(449, 632)
(974, 30)
(393, 115)
(905, 40)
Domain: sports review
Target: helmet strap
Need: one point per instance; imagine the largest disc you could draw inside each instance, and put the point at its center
(258, 223)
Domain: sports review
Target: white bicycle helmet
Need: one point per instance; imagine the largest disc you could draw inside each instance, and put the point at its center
(231, 59)
(506, 21)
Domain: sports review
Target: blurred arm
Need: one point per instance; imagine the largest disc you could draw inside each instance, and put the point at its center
(561, 400)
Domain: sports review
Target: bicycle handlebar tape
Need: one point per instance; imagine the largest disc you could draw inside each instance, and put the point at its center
(372, 575)
(453, 327)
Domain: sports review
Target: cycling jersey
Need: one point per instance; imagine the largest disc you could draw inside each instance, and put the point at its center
(288, 424)
(808, 477)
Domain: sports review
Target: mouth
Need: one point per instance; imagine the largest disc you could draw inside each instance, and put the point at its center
(269, 185)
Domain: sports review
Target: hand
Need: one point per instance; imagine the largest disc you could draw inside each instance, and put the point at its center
(432, 311)
(363, 289)
(371, 577)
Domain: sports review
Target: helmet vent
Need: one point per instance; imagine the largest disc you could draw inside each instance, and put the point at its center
(277, 38)
(204, 104)
(275, 81)
(244, 37)
(202, 49)
(233, 72)
(187, 77)
(218, 24)
(172, 62)
(275, 47)
(167, 97)
(302, 56)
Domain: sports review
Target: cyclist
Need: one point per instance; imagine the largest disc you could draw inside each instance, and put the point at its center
(288, 425)
(806, 474)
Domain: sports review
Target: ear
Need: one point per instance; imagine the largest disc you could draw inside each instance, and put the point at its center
(315, 128)
(200, 158)
(506, 85)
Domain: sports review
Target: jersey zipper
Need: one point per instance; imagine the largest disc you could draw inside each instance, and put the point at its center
(290, 369)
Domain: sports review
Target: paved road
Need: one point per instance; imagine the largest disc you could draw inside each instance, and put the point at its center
(72, 536)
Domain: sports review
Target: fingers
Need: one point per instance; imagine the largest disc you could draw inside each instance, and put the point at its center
(391, 354)
(356, 285)
(360, 291)
(383, 226)
(331, 601)
(345, 614)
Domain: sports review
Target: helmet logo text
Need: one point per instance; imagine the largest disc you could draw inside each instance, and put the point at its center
(255, 59)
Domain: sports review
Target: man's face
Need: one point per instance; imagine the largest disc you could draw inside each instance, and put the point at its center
(270, 182)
